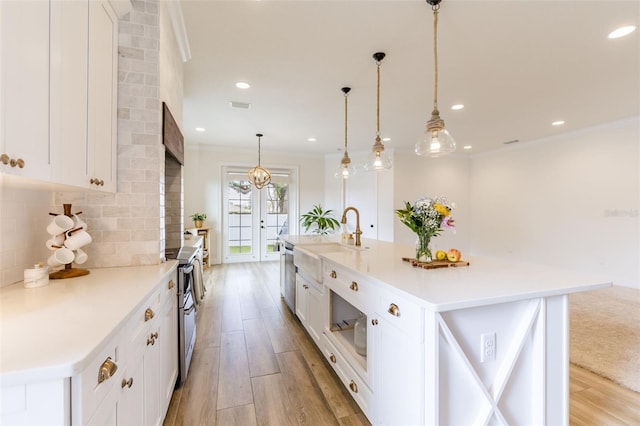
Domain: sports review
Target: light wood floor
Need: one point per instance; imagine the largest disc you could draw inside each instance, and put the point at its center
(254, 364)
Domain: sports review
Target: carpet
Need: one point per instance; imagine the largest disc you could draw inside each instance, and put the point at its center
(604, 329)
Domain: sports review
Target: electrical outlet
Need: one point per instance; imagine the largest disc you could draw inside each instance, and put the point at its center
(488, 347)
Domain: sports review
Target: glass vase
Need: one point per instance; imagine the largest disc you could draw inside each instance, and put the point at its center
(423, 252)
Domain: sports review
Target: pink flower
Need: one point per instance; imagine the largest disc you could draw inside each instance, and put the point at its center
(447, 222)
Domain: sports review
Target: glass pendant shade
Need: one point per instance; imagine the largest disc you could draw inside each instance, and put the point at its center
(436, 140)
(259, 176)
(378, 160)
(346, 169)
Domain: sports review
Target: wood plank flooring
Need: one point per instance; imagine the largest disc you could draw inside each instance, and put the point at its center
(254, 364)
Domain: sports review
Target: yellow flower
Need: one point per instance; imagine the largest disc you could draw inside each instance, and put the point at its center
(442, 210)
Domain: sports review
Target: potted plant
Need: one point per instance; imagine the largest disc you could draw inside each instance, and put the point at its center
(198, 218)
(323, 220)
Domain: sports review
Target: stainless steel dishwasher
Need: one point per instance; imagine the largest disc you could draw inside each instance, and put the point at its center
(289, 273)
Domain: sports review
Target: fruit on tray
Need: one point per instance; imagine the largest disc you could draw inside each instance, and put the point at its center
(453, 255)
(441, 255)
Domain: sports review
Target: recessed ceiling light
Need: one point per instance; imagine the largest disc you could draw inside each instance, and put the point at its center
(200, 129)
(242, 85)
(467, 147)
(311, 139)
(622, 31)
(457, 107)
(558, 123)
(386, 139)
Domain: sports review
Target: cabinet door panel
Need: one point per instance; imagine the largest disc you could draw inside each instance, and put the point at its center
(102, 94)
(69, 53)
(131, 400)
(24, 87)
(315, 314)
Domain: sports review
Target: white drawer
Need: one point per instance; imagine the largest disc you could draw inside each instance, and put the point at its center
(400, 312)
(350, 286)
(354, 383)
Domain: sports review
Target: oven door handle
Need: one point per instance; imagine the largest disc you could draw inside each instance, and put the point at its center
(187, 269)
(191, 309)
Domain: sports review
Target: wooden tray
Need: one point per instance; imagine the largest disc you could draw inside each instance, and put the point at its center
(435, 264)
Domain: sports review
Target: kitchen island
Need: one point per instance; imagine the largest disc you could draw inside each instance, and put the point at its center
(479, 344)
(66, 347)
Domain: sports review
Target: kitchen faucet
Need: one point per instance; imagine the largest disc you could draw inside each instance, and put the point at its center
(358, 231)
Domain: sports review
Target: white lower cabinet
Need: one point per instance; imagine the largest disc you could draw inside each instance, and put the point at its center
(144, 351)
(310, 307)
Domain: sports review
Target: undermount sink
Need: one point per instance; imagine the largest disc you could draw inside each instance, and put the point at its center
(306, 257)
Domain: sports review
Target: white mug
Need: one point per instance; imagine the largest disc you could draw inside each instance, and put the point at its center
(59, 225)
(79, 223)
(77, 239)
(81, 257)
(55, 242)
(60, 257)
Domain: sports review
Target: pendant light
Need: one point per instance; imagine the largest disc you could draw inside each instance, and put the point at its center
(346, 168)
(436, 141)
(378, 159)
(259, 176)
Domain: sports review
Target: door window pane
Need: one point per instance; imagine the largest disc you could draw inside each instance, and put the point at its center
(240, 220)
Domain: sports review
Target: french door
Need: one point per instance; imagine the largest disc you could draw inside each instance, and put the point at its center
(254, 218)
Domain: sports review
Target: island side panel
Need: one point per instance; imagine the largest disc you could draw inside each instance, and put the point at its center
(504, 363)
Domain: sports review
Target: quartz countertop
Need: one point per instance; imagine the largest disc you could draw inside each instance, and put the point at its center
(51, 332)
(485, 281)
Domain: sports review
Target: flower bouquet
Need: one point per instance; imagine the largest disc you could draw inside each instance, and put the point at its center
(427, 218)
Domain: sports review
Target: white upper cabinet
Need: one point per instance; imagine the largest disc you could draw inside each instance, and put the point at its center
(24, 89)
(83, 93)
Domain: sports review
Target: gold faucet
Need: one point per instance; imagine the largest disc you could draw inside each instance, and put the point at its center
(358, 231)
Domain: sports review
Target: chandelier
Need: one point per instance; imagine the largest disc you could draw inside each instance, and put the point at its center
(436, 141)
(259, 176)
(378, 159)
(346, 168)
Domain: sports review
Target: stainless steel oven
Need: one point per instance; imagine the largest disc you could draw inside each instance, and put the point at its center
(186, 308)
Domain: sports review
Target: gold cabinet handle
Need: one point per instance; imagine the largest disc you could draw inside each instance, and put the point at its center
(127, 383)
(93, 181)
(19, 162)
(333, 274)
(106, 370)
(148, 314)
(4, 159)
(353, 387)
(154, 335)
(151, 341)
(332, 358)
(374, 322)
(306, 287)
(394, 310)
(354, 286)
(171, 284)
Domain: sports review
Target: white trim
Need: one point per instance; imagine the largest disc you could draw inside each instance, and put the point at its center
(121, 7)
(174, 9)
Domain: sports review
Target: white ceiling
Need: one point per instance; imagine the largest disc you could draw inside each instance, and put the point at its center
(516, 66)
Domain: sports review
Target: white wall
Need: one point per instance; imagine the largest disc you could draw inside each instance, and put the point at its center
(417, 177)
(570, 201)
(203, 182)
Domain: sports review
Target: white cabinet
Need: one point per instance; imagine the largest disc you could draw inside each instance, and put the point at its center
(310, 307)
(24, 89)
(83, 93)
(398, 363)
(144, 352)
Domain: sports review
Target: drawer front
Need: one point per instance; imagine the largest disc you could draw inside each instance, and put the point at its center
(139, 325)
(400, 312)
(98, 379)
(350, 287)
(353, 383)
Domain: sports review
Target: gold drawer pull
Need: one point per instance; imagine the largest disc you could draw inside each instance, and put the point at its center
(354, 286)
(154, 335)
(394, 310)
(4, 159)
(171, 284)
(353, 387)
(151, 341)
(127, 383)
(107, 369)
(332, 358)
(306, 287)
(374, 322)
(19, 162)
(148, 314)
(333, 274)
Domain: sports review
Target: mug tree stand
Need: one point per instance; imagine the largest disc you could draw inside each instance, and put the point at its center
(68, 271)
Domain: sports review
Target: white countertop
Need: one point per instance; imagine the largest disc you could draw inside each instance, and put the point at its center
(193, 240)
(485, 281)
(50, 332)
